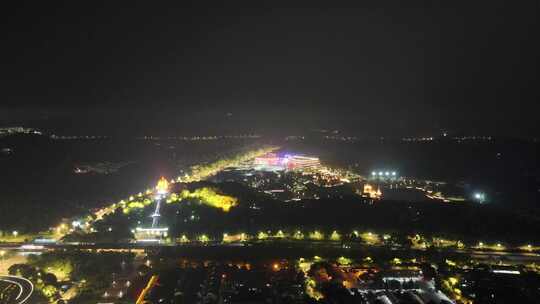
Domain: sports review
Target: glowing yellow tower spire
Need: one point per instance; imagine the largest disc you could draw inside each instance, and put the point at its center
(162, 186)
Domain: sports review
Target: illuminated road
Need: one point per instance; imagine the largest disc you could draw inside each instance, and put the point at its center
(508, 255)
(15, 290)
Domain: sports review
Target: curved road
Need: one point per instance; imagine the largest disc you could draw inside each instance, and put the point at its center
(16, 290)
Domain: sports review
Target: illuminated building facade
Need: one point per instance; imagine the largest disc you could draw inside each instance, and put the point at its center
(269, 162)
(298, 162)
(274, 162)
(369, 191)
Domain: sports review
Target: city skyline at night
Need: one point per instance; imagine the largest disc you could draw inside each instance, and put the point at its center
(298, 152)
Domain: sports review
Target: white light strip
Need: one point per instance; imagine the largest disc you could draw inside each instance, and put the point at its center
(151, 229)
(33, 247)
(20, 287)
(506, 271)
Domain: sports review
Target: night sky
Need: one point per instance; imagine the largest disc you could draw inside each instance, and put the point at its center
(363, 67)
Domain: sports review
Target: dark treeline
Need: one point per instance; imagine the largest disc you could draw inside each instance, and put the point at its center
(258, 212)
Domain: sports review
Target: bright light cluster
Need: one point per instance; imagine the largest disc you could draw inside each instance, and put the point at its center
(274, 162)
(384, 173)
(209, 197)
(162, 186)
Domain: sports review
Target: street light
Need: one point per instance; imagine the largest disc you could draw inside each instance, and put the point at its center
(480, 197)
(15, 233)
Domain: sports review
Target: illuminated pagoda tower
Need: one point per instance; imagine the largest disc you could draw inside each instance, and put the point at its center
(162, 189)
(155, 233)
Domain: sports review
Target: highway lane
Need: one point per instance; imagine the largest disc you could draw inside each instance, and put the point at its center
(508, 255)
(15, 290)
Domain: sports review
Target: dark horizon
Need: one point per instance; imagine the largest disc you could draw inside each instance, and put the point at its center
(371, 69)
